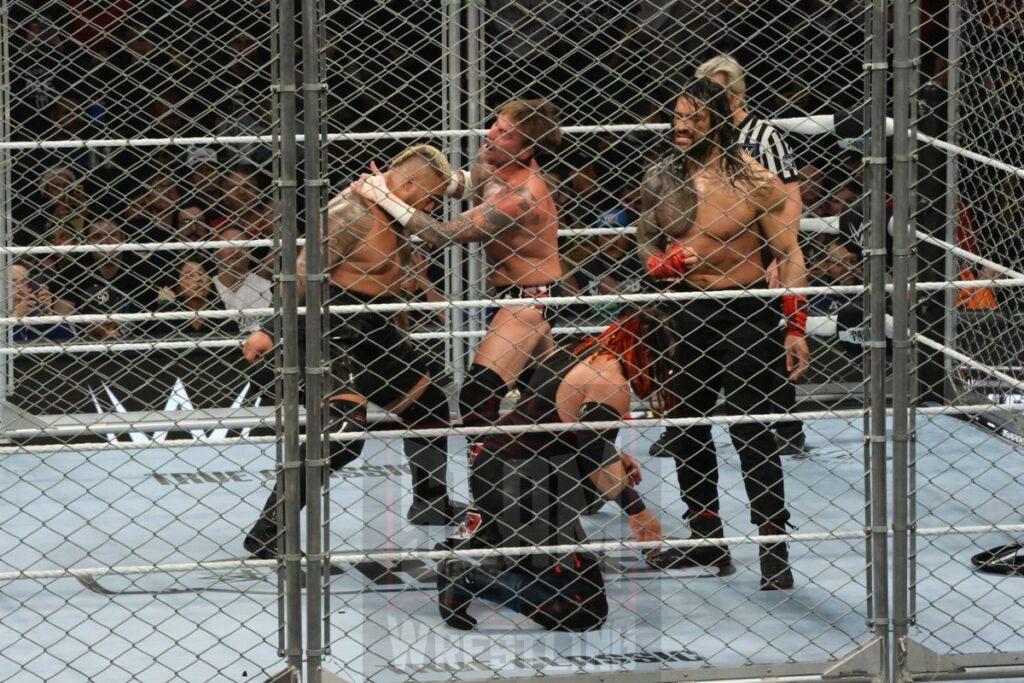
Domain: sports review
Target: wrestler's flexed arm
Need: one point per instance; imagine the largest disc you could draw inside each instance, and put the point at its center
(780, 227)
(496, 213)
(469, 184)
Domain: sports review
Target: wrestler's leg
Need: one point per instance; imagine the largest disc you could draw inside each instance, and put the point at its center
(512, 339)
(758, 360)
(346, 412)
(695, 383)
(425, 406)
(789, 433)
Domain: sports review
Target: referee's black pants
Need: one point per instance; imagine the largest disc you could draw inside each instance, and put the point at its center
(736, 346)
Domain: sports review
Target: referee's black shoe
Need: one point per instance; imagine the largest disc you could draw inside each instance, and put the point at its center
(776, 573)
(440, 512)
(703, 526)
(660, 448)
(794, 445)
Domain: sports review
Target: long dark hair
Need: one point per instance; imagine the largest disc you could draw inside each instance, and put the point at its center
(670, 174)
(644, 344)
(704, 93)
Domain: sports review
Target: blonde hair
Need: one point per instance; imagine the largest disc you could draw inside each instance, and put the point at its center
(730, 68)
(429, 154)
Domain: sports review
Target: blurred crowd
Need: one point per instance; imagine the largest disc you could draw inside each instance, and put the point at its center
(164, 69)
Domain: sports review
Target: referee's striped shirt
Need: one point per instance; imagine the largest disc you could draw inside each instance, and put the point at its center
(761, 140)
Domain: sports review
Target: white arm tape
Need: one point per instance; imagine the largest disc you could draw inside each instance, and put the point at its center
(398, 209)
(459, 181)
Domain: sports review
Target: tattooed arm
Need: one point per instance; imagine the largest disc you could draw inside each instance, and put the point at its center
(650, 238)
(348, 224)
(495, 214)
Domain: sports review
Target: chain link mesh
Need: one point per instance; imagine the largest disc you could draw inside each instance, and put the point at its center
(969, 88)
(153, 513)
(142, 411)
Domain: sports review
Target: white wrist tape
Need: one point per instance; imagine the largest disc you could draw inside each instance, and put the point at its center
(398, 209)
(459, 181)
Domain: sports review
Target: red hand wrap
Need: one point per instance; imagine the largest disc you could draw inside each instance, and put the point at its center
(670, 264)
(794, 308)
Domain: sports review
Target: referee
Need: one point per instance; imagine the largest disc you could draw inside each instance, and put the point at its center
(761, 140)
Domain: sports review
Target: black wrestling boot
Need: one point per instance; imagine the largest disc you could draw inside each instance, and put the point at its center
(440, 512)
(431, 506)
(261, 542)
(455, 590)
(703, 525)
(775, 571)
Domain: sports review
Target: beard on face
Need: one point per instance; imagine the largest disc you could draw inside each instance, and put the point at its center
(699, 150)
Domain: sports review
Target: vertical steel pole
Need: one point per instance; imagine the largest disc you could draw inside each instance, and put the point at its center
(474, 115)
(315, 398)
(455, 254)
(913, 360)
(875, 160)
(6, 232)
(289, 339)
(875, 59)
(279, 406)
(952, 174)
(903, 67)
(324, 184)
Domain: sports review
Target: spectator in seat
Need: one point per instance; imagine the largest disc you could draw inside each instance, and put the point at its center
(839, 266)
(812, 190)
(203, 188)
(153, 216)
(840, 200)
(62, 201)
(194, 292)
(31, 299)
(246, 206)
(237, 284)
(243, 105)
(613, 267)
(154, 210)
(35, 75)
(112, 283)
(191, 224)
(59, 272)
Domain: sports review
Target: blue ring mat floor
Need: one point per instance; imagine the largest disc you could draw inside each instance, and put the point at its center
(90, 509)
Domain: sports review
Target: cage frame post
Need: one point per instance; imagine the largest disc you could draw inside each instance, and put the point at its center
(315, 463)
(876, 549)
(289, 338)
